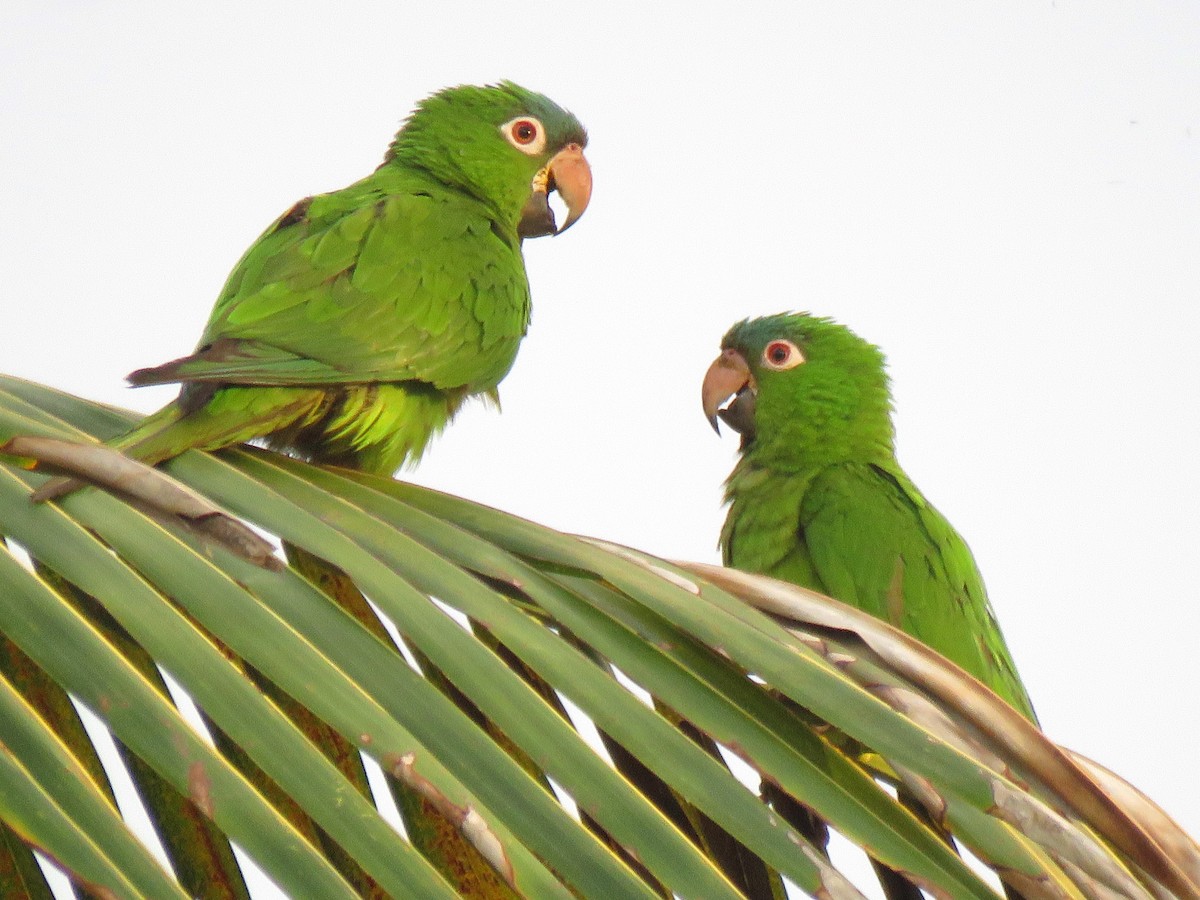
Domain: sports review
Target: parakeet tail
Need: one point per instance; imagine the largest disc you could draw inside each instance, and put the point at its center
(373, 427)
(230, 417)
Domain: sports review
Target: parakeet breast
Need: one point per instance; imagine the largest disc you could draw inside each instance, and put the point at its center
(762, 529)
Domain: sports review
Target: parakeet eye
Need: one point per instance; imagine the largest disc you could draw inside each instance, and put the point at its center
(781, 355)
(526, 134)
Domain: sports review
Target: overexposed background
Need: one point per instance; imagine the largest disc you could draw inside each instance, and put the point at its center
(1004, 196)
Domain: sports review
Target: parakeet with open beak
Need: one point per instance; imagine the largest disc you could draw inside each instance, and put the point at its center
(817, 497)
(357, 325)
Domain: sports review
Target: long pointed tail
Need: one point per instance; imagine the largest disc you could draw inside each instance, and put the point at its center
(231, 416)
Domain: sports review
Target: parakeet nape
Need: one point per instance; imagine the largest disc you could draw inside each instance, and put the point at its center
(355, 327)
(817, 497)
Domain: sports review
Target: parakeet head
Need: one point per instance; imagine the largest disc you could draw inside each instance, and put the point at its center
(805, 390)
(505, 145)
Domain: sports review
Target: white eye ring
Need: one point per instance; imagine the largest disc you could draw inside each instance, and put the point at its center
(526, 134)
(781, 355)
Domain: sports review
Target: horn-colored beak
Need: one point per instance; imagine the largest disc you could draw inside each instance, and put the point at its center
(568, 173)
(725, 377)
(571, 176)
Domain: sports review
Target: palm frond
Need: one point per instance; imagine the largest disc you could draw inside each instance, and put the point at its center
(490, 629)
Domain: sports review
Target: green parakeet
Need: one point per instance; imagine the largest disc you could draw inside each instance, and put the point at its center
(356, 326)
(817, 497)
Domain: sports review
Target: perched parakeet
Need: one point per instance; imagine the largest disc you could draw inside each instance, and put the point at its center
(817, 497)
(356, 326)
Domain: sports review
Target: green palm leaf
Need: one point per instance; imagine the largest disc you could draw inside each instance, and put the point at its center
(500, 626)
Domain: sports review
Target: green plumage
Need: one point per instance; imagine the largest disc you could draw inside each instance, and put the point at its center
(818, 498)
(356, 326)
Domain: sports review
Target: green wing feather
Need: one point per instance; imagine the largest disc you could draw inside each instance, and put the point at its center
(863, 533)
(388, 280)
(876, 542)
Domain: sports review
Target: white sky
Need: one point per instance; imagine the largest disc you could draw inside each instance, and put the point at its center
(1004, 196)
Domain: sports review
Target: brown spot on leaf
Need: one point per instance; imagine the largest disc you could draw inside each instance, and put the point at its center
(200, 788)
(470, 824)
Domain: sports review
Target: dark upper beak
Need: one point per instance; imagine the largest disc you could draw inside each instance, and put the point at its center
(568, 173)
(728, 375)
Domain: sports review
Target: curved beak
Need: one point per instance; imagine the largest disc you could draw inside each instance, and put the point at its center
(728, 375)
(571, 176)
(568, 173)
